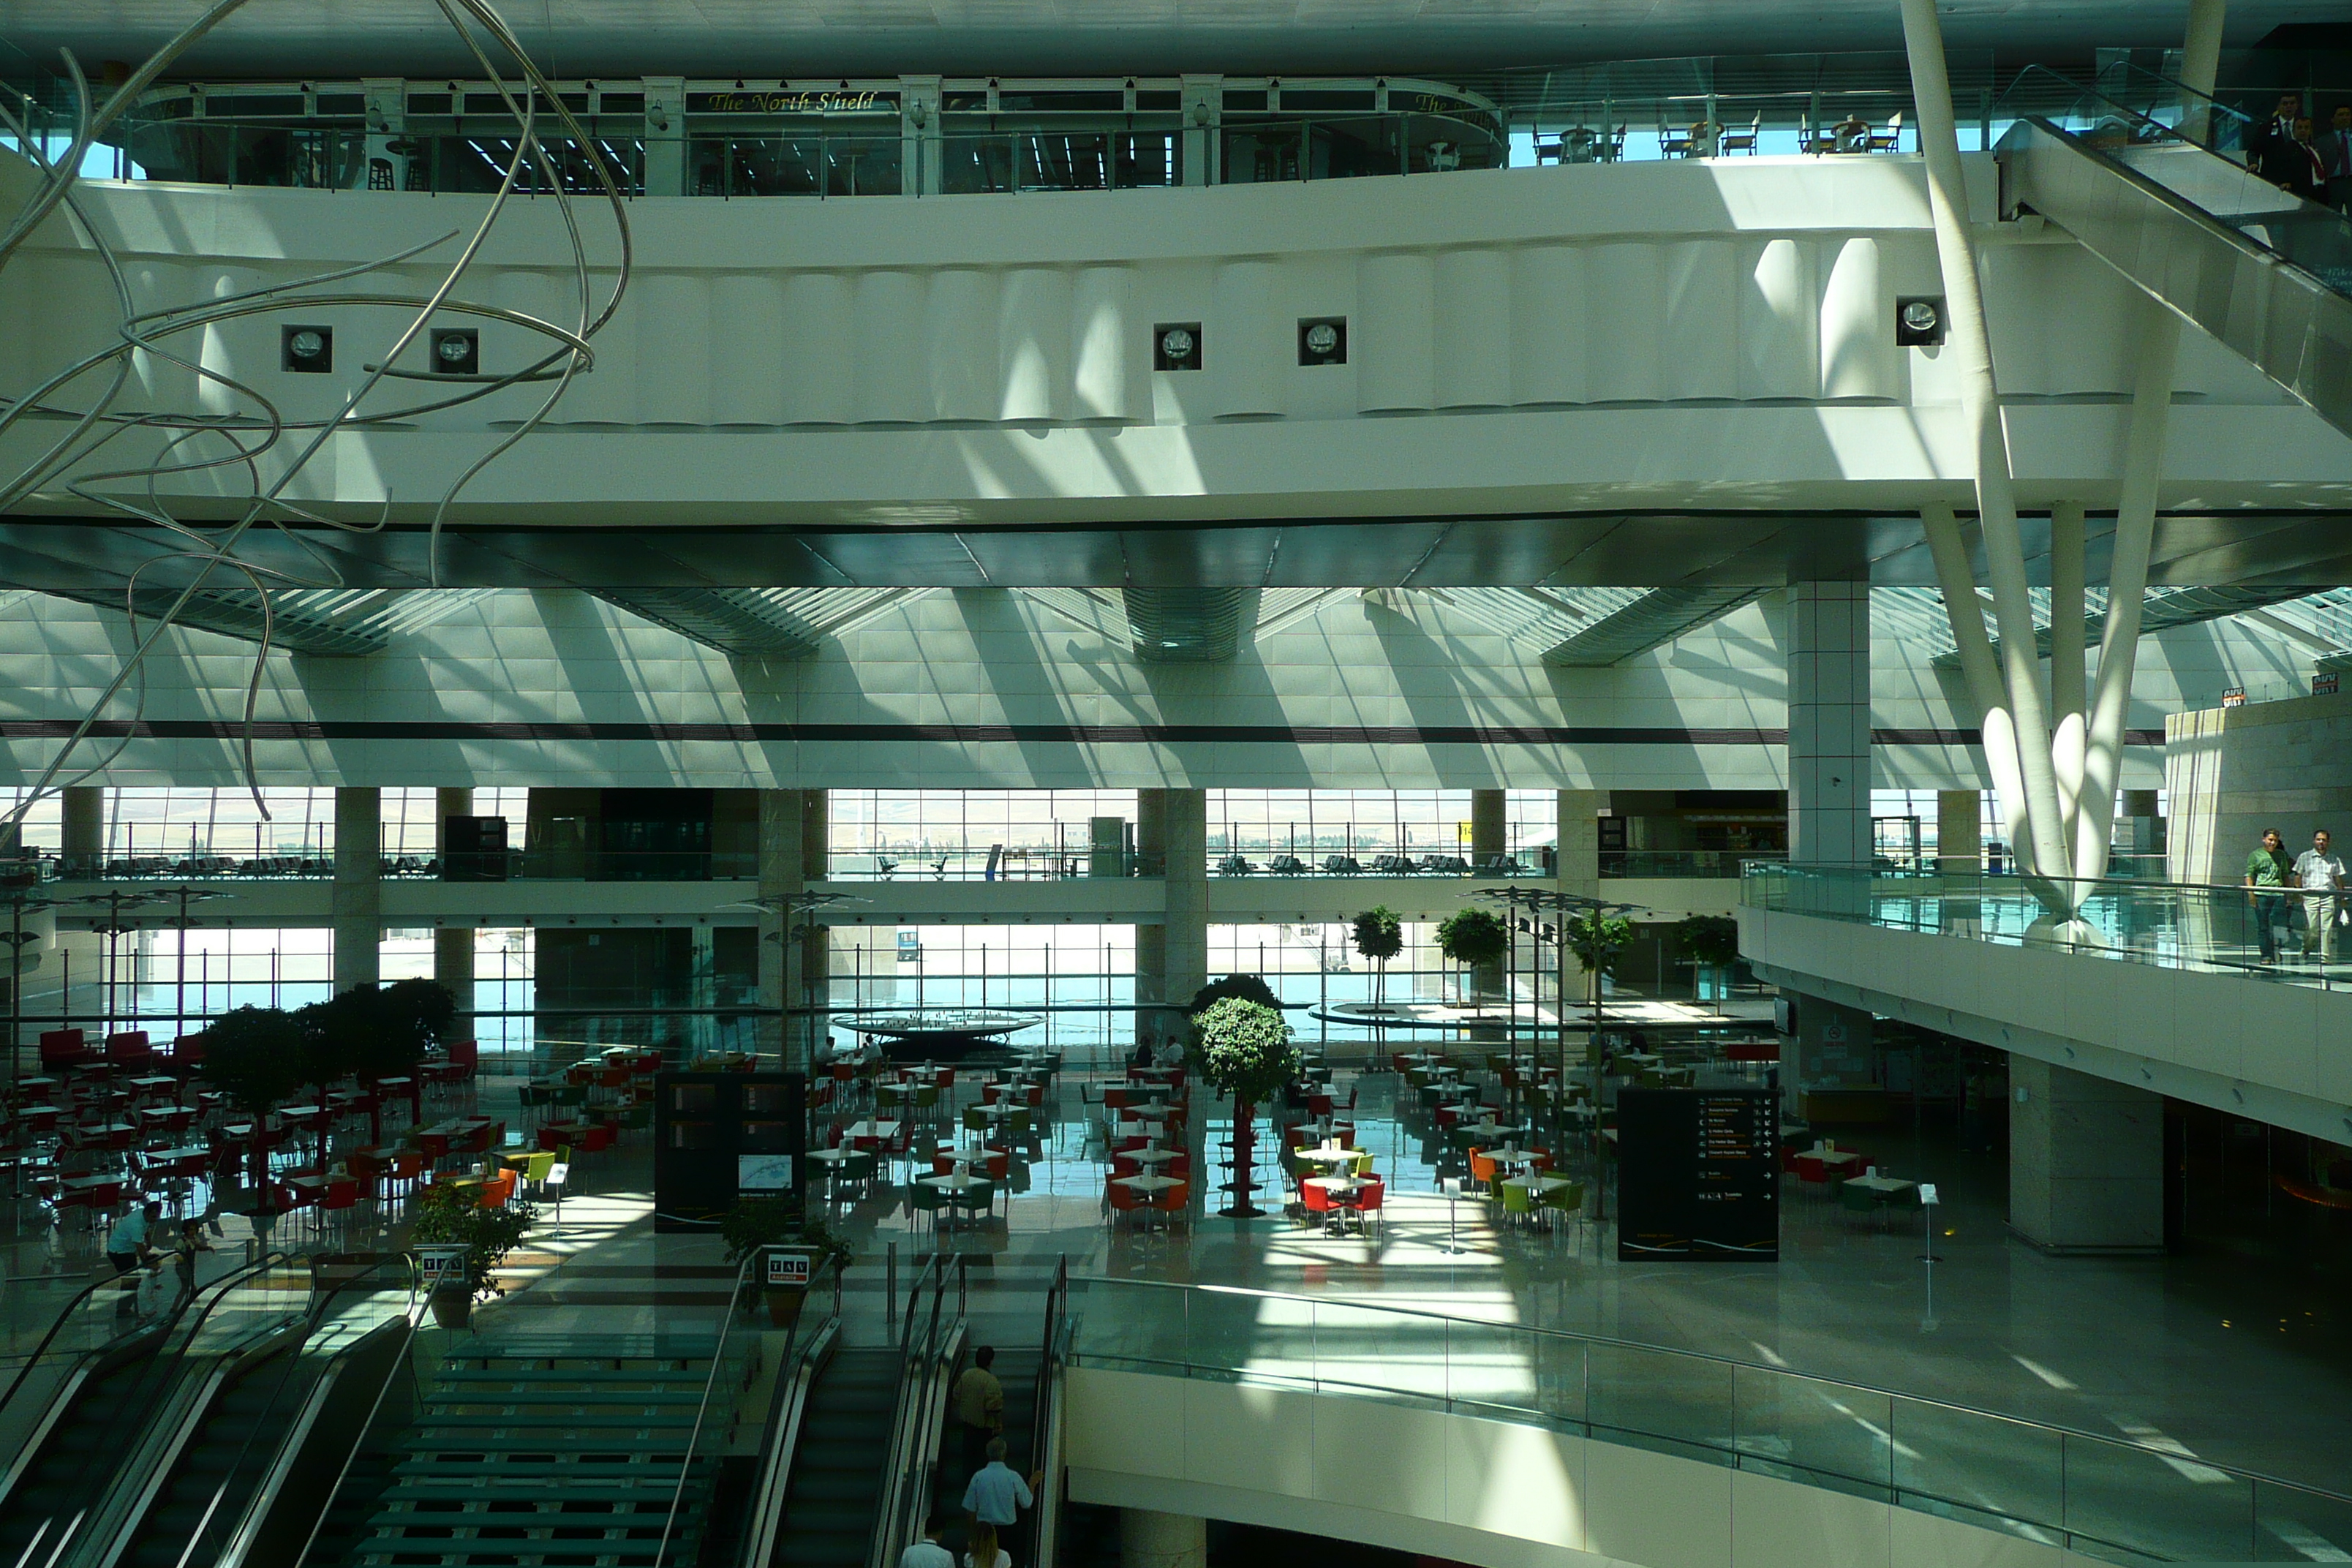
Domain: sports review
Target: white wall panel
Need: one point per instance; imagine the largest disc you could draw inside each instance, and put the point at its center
(1032, 343)
(887, 351)
(1472, 327)
(675, 380)
(609, 396)
(1548, 324)
(1858, 355)
(1245, 347)
(1103, 344)
(157, 283)
(959, 342)
(1389, 339)
(747, 316)
(1779, 341)
(818, 350)
(1624, 300)
(1701, 346)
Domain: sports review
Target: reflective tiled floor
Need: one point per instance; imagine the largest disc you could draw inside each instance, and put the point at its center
(2240, 1356)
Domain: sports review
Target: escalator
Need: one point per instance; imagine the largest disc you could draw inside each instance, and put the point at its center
(99, 1400)
(841, 1468)
(2151, 178)
(244, 1483)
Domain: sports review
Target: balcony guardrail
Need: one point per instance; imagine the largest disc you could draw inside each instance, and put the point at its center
(2209, 928)
(2079, 1490)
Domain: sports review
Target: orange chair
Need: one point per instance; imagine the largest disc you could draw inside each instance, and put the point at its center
(1122, 1199)
(1484, 1170)
(497, 1192)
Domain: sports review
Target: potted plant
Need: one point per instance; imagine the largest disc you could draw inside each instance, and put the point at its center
(1709, 942)
(1243, 1048)
(750, 1225)
(1380, 936)
(257, 1057)
(1598, 938)
(1476, 939)
(447, 1213)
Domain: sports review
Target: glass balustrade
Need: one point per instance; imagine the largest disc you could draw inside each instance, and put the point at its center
(2101, 1496)
(2215, 929)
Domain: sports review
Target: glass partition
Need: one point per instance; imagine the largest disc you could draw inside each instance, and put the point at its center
(2172, 925)
(2100, 1496)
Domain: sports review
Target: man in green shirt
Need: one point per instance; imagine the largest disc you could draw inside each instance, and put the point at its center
(2268, 866)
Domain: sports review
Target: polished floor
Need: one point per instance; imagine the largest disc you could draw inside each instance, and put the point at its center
(2235, 1351)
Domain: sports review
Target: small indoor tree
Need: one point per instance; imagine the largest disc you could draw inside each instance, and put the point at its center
(1476, 939)
(1380, 936)
(1709, 942)
(1243, 1048)
(1598, 938)
(257, 1057)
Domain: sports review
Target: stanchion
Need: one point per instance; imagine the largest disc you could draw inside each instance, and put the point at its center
(1927, 1210)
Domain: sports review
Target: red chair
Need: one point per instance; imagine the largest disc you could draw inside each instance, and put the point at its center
(942, 1165)
(340, 1193)
(1316, 1200)
(465, 1058)
(63, 1049)
(1119, 1099)
(1369, 1198)
(1120, 1166)
(1319, 1105)
(129, 1049)
(1034, 1097)
(596, 1138)
(1121, 1199)
(1172, 1201)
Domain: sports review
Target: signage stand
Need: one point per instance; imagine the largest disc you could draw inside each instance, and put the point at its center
(1927, 1324)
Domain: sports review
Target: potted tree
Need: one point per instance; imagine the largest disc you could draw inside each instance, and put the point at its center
(1380, 936)
(1598, 938)
(257, 1057)
(447, 1213)
(384, 1031)
(752, 1223)
(1710, 942)
(1243, 1048)
(1476, 939)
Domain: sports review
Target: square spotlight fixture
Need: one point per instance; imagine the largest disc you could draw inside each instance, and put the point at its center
(306, 351)
(1919, 321)
(456, 351)
(1176, 345)
(1323, 340)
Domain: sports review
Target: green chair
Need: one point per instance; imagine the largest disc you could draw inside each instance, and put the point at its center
(923, 1200)
(927, 1097)
(857, 1171)
(635, 1117)
(975, 1119)
(1017, 1124)
(567, 1094)
(1567, 1200)
(535, 1167)
(1516, 1201)
(1429, 1095)
(979, 1200)
(1856, 1200)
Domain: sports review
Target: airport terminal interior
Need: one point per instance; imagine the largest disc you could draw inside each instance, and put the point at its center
(885, 784)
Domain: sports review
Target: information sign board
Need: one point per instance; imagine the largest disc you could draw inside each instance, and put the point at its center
(1700, 1179)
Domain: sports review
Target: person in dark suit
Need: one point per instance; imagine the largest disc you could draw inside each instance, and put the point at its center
(2334, 149)
(2304, 176)
(2269, 144)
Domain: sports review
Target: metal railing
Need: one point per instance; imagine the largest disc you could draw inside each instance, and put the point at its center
(733, 1362)
(803, 1356)
(931, 1351)
(1046, 1420)
(2259, 933)
(2050, 1484)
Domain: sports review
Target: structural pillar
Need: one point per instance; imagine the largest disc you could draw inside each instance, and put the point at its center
(784, 974)
(358, 907)
(2085, 1161)
(1150, 938)
(83, 843)
(1577, 869)
(1829, 723)
(1960, 831)
(816, 939)
(1489, 827)
(453, 945)
(1148, 1538)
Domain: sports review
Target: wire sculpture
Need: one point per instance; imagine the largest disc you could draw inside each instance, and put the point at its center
(194, 442)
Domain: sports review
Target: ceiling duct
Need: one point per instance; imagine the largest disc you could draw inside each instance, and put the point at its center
(1187, 625)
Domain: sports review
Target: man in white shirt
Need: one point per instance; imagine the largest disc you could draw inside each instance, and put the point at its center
(997, 1495)
(2321, 876)
(927, 1553)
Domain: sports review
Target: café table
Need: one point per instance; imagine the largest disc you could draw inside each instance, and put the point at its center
(958, 1182)
(1340, 1189)
(1150, 1156)
(1148, 1183)
(1326, 1155)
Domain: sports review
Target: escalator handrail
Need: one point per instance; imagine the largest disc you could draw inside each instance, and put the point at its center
(914, 1385)
(711, 1391)
(1044, 1423)
(320, 1303)
(179, 1334)
(64, 1313)
(780, 1440)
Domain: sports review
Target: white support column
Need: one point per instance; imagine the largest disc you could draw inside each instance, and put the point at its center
(2085, 1161)
(1148, 1539)
(783, 874)
(2067, 689)
(665, 135)
(2200, 50)
(1970, 344)
(1829, 723)
(452, 946)
(358, 896)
